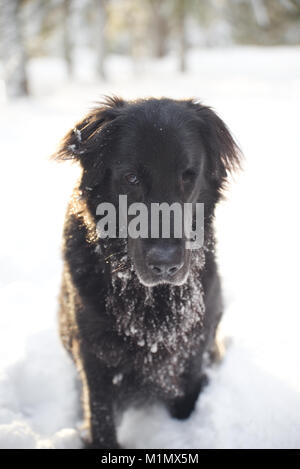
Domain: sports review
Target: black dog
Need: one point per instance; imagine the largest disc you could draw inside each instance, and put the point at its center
(139, 316)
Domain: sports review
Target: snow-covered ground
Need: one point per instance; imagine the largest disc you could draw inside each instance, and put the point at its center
(253, 400)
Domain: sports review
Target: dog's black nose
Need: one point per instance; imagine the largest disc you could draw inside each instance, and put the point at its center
(165, 260)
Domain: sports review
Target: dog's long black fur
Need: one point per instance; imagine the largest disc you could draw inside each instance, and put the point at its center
(137, 339)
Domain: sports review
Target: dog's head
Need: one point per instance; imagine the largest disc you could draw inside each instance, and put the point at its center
(153, 151)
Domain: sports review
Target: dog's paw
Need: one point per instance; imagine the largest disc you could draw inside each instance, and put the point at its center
(181, 408)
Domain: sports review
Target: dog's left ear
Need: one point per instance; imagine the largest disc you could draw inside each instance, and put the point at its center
(91, 134)
(223, 154)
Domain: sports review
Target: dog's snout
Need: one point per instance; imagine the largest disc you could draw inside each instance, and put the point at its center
(165, 260)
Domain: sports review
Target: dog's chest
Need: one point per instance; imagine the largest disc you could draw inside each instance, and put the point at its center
(162, 325)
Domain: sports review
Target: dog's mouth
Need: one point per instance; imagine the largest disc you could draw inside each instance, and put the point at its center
(152, 281)
(154, 263)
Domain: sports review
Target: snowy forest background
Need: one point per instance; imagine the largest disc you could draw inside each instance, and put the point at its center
(242, 57)
(137, 28)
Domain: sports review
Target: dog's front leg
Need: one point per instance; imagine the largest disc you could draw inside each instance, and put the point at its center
(99, 402)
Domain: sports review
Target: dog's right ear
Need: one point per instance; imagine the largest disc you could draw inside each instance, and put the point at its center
(85, 138)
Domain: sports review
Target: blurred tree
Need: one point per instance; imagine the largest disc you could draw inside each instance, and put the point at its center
(137, 18)
(181, 10)
(160, 26)
(101, 46)
(12, 48)
(264, 22)
(67, 36)
(295, 3)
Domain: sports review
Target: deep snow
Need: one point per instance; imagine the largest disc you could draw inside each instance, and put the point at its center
(253, 400)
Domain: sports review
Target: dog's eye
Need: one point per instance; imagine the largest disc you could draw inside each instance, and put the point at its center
(132, 178)
(188, 175)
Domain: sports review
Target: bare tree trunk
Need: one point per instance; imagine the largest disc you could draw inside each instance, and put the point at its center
(136, 39)
(13, 50)
(260, 12)
(67, 36)
(101, 44)
(159, 28)
(182, 34)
